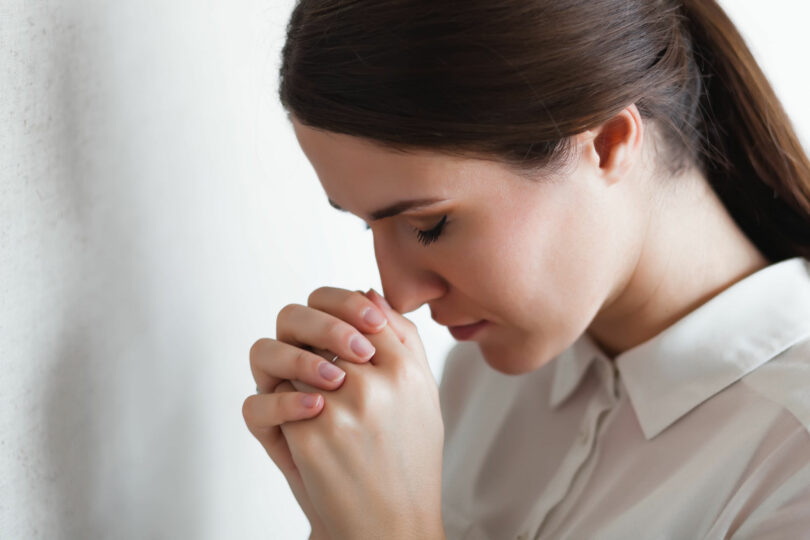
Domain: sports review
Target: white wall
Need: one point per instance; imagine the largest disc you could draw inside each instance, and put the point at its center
(155, 215)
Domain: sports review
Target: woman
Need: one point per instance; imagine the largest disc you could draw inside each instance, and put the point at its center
(608, 206)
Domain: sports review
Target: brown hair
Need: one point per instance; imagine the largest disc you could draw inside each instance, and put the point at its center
(515, 79)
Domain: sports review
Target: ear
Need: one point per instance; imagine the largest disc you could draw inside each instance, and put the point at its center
(614, 146)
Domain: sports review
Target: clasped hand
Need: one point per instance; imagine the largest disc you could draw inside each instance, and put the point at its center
(365, 461)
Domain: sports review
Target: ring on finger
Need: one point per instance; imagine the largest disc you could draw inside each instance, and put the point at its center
(312, 349)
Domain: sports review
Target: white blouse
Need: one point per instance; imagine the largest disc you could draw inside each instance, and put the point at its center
(702, 432)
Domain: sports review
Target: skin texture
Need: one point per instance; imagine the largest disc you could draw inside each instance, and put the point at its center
(371, 461)
(610, 246)
(607, 246)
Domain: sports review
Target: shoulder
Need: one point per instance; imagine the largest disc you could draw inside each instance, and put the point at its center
(785, 380)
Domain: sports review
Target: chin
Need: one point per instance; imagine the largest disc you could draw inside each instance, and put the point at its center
(515, 361)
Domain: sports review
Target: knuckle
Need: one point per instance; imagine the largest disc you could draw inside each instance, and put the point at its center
(362, 392)
(286, 311)
(338, 331)
(248, 410)
(283, 386)
(289, 404)
(407, 374)
(258, 348)
(365, 409)
(304, 363)
(399, 370)
(357, 298)
(309, 449)
(314, 294)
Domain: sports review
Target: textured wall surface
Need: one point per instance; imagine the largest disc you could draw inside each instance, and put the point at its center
(155, 215)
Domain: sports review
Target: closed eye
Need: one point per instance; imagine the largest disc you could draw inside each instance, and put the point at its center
(426, 237)
(430, 236)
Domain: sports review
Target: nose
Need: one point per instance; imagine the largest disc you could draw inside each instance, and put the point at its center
(407, 280)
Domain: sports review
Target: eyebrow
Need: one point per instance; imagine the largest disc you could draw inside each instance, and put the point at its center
(396, 208)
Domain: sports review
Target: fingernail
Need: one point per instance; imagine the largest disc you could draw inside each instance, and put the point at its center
(330, 371)
(310, 400)
(373, 317)
(361, 346)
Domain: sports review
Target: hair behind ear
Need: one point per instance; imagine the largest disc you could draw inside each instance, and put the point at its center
(754, 160)
(518, 79)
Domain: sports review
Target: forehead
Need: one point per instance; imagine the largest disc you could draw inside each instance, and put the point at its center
(338, 157)
(360, 176)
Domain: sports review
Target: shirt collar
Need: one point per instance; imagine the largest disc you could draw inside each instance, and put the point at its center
(710, 348)
(570, 368)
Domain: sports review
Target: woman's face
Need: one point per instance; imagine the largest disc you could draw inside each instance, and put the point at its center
(537, 258)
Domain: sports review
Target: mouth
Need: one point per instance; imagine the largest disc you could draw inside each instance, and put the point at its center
(467, 331)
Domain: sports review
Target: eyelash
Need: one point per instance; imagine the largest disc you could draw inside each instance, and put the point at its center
(427, 237)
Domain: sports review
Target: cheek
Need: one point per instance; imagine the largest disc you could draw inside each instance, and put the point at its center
(583, 253)
(547, 272)
(546, 288)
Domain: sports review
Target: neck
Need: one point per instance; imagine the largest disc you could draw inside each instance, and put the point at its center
(692, 251)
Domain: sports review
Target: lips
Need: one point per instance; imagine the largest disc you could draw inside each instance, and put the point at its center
(467, 331)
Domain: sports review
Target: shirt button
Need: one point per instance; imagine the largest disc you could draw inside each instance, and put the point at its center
(582, 438)
(523, 536)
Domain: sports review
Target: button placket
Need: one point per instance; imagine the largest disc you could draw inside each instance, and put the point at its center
(601, 402)
(561, 483)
